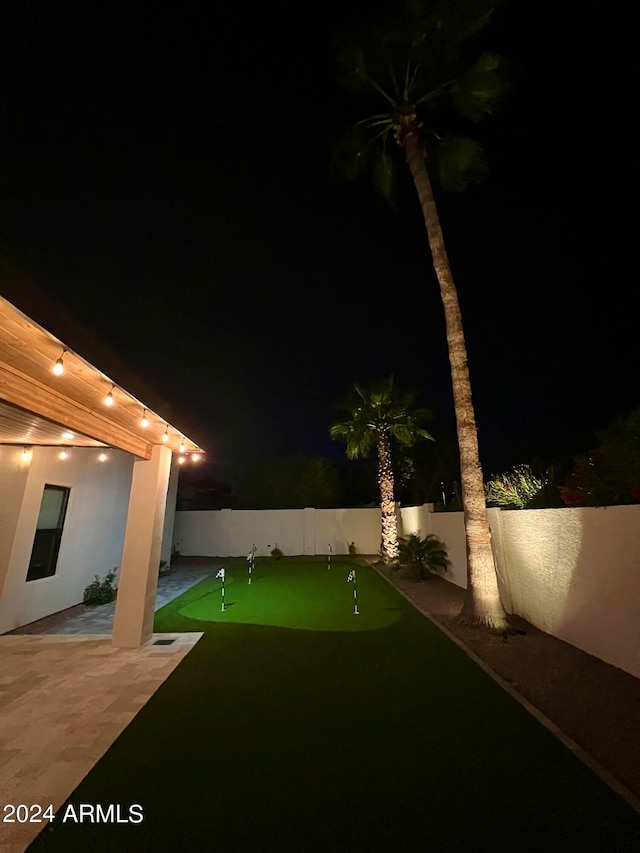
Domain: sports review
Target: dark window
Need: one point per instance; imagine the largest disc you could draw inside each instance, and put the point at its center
(44, 555)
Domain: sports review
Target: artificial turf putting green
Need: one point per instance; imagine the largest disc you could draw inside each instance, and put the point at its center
(387, 741)
(291, 594)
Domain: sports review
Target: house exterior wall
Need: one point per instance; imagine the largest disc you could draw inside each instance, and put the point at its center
(92, 536)
(170, 515)
(142, 548)
(13, 480)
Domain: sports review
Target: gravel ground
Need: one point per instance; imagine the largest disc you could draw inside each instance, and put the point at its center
(593, 704)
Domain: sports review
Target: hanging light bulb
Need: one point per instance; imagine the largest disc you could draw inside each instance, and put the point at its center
(145, 420)
(102, 457)
(63, 454)
(195, 457)
(25, 455)
(182, 448)
(58, 367)
(181, 460)
(108, 400)
(165, 437)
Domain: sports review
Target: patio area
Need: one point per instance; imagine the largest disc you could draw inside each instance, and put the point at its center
(66, 694)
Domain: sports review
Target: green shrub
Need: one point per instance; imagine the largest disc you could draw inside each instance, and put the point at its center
(277, 553)
(101, 590)
(515, 488)
(425, 556)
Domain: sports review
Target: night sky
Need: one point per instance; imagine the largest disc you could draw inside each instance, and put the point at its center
(166, 177)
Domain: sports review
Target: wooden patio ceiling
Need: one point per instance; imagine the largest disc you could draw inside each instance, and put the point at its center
(37, 402)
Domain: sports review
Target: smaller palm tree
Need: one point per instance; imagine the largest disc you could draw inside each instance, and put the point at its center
(425, 556)
(375, 417)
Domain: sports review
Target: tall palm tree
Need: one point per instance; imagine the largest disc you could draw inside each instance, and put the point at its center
(376, 416)
(420, 66)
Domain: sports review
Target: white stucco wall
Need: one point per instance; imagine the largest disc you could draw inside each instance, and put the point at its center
(231, 533)
(339, 527)
(170, 514)
(449, 528)
(575, 573)
(92, 537)
(13, 480)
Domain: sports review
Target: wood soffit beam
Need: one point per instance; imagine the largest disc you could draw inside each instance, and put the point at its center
(29, 394)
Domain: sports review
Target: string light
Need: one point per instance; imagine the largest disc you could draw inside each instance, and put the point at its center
(195, 457)
(58, 367)
(182, 446)
(165, 437)
(145, 420)
(25, 455)
(102, 457)
(181, 460)
(108, 400)
(63, 454)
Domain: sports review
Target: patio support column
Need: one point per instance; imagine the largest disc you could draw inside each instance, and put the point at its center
(138, 582)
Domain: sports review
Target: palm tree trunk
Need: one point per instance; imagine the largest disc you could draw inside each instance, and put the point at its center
(389, 549)
(482, 602)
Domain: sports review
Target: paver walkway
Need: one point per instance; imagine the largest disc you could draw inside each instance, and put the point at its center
(67, 694)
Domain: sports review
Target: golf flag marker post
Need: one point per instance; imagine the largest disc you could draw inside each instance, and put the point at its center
(351, 578)
(329, 560)
(251, 557)
(221, 575)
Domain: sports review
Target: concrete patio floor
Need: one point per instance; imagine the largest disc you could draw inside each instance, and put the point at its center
(66, 694)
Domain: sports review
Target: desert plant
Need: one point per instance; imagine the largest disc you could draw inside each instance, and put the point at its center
(422, 63)
(609, 474)
(376, 417)
(352, 549)
(515, 488)
(277, 553)
(425, 556)
(101, 590)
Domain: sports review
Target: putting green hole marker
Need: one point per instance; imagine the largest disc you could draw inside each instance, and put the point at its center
(251, 557)
(221, 575)
(351, 578)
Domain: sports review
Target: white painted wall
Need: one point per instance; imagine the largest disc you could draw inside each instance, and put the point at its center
(575, 573)
(170, 514)
(572, 572)
(231, 533)
(449, 528)
(146, 519)
(93, 533)
(13, 480)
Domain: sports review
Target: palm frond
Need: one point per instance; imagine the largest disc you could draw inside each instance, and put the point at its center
(351, 154)
(378, 118)
(383, 174)
(351, 67)
(457, 162)
(478, 92)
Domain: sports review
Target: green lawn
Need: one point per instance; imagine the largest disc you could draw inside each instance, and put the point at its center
(306, 595)
(295, 725)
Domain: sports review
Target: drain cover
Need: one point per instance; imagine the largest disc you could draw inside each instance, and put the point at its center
(163, 642)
